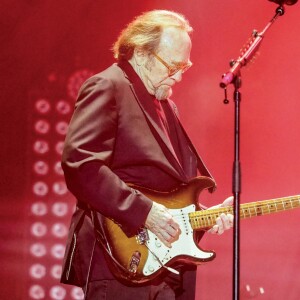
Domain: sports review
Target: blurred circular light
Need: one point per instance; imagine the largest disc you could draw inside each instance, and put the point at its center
(76, 80)
(40, 188)
(59, 230)
(63, 107)
(58, 169)
(77, 293)
(37, 271)
(38, 250)
(58, 251)
(41, 147)
(57, 292)
(42, 126)
(38, 229)
(42, 106)
(60, 209)
(59, 147)
(36, 292)
(61, 127)
(39, 208)
(60, 188)
(40, 167)
(52, 77)
(56, 271)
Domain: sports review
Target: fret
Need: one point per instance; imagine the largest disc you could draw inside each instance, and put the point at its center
(282, 204)
(243, 213)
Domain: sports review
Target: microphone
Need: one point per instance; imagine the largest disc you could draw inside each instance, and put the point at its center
(247, 54)
(287, 2)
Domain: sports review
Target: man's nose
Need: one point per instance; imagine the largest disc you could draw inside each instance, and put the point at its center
(177, 76)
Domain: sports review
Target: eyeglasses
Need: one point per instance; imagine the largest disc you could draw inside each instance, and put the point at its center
(173, 69)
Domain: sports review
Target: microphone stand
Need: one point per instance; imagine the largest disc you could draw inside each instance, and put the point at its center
(234, 77)
(236, 187)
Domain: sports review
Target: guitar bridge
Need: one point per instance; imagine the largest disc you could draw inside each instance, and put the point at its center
(142, 237)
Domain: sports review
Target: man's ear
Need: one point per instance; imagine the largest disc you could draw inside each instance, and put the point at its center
(140, 56)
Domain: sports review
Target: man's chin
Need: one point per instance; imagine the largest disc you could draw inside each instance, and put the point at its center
(163, 92)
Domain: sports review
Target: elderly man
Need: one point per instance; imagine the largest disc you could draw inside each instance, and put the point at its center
(125, 133)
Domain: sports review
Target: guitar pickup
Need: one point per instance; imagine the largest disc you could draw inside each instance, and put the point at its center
(134, 262)
(142, 237)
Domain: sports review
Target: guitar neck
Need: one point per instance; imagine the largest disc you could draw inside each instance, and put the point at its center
(206, 219)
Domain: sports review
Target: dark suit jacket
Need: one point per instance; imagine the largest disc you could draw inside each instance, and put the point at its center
(115, 137)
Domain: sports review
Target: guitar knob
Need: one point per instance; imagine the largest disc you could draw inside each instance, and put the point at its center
(158, 244)
(150, 268)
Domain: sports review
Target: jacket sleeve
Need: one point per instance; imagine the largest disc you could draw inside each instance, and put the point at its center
(88, 153)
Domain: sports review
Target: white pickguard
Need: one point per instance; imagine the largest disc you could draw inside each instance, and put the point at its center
(185, 245)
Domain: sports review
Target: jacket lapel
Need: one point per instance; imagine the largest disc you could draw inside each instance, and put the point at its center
(145, 101)
(148, 108)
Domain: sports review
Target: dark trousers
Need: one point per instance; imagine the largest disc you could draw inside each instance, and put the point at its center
(114, 290)
(170, 289)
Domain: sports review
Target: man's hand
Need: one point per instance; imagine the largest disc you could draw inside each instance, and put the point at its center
(224, 221)
(162, 224)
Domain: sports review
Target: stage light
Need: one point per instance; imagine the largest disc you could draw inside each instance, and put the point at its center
(40, 167)
(37, 271)
(57, 292)
(39, 209)
(40, 188)
(38, 250)
(60, 209)
(58, 251)
(42, 106)
(56, 271)
(61, 128)
(38, 229)
(76, 80)
(42, 126)
(60, 188)
(59, 230)
(63, 107)
(77, 293)
(37, 292)
(41, 147)
(52, 77)
(48, 231)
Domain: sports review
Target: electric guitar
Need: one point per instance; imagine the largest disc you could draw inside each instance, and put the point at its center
(142, 258)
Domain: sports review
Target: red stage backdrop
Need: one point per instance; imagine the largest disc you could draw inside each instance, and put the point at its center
(50, 47)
